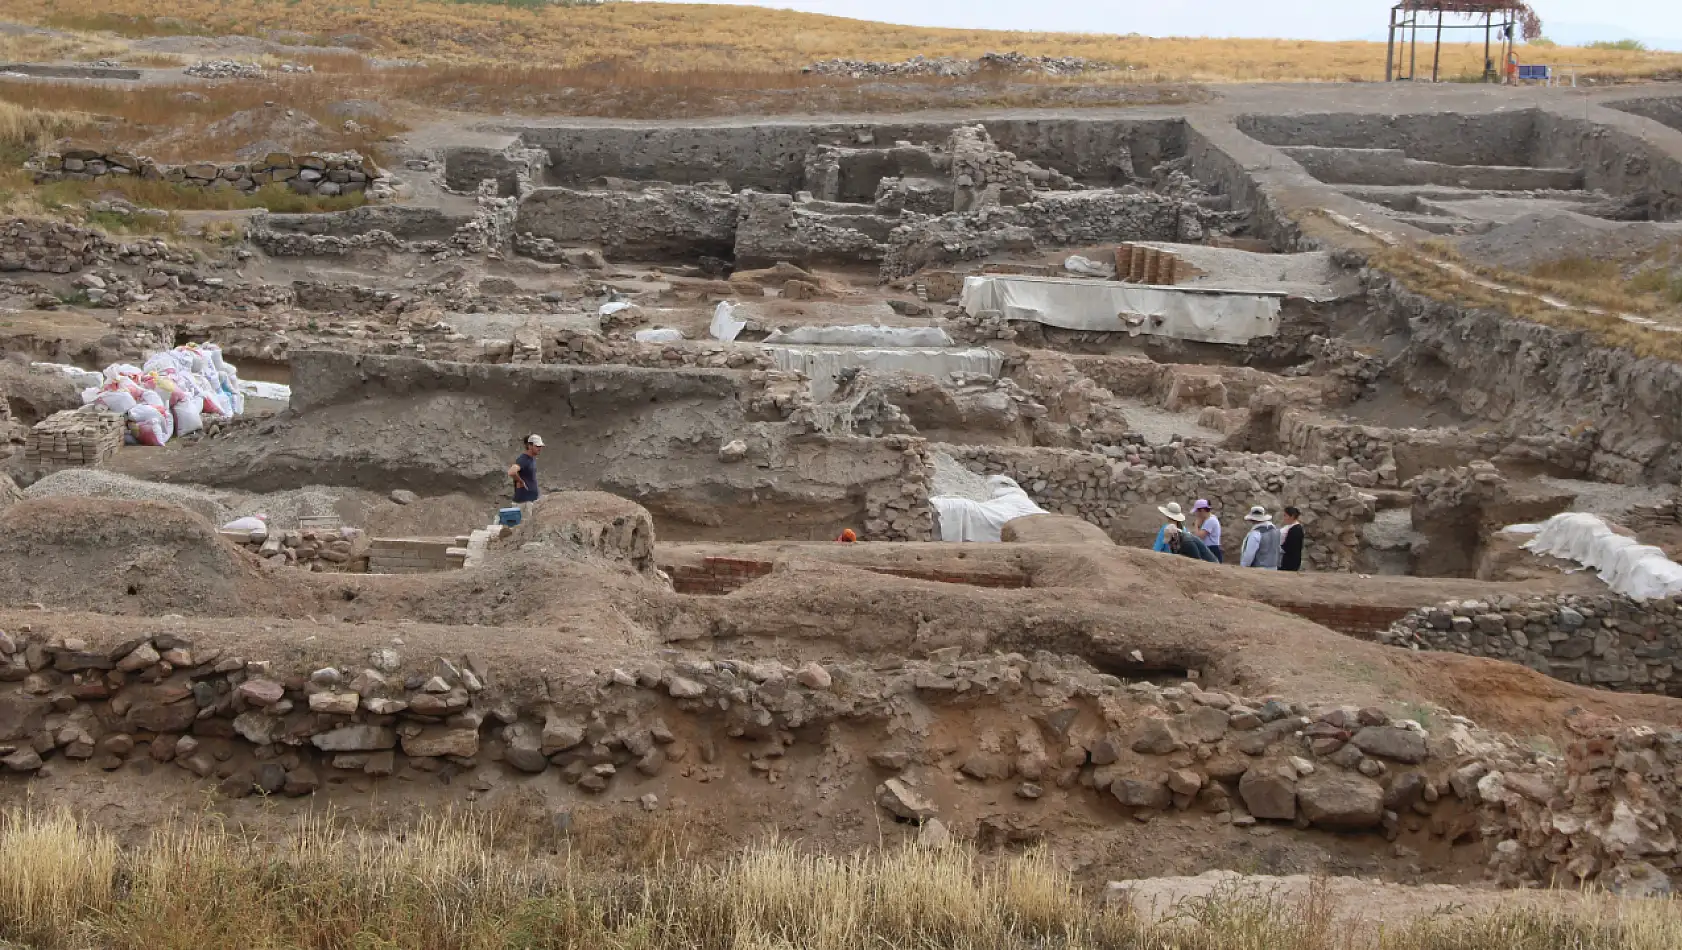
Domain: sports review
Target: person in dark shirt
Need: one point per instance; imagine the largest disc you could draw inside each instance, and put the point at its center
(1291, 549)
(524, 471)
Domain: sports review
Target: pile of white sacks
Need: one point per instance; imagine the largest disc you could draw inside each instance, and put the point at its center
(170, 395)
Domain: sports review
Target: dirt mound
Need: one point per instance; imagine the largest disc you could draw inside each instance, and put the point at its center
(35, 394)
(1054, 529)
(257, 132)
(592, 525)
(1537, 239)
(116, 557)
(90, 483)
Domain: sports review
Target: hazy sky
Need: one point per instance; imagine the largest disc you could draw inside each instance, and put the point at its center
(1303, 19)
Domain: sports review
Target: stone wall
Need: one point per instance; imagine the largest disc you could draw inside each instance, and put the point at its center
(1122, 498)
(1386, 458)
(325, 174)
(50, 247)
(668, 221)
(1540, 379)
(1606, 641)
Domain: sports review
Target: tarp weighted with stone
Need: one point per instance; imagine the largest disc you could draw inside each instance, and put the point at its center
(1074, 304)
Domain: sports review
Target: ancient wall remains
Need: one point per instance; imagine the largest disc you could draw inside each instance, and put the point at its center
(772, 156)
(657, 221)
(1606, 641)
(51, 247)
(1540, 379)
(1376, 456)
(1451, 138)
(1122, 498)
(325, 174)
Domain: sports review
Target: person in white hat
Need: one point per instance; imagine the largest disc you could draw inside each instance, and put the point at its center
(1262, 544)
(1173, 538)
(524, 471)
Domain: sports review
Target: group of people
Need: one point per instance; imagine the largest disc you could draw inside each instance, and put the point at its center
(1267, 545)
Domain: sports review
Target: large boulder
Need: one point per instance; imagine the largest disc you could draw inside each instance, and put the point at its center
(1392, 742)
(1270, 791)
(1342, 801)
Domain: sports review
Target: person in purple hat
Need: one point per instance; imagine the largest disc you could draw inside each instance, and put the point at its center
(1208, 528)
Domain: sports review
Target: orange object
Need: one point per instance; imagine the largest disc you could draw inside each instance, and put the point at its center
(848, 537)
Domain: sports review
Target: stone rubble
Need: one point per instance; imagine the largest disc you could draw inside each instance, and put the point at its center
(958, 68)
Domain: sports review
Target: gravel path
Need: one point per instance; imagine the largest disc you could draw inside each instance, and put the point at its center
(93, 483)
(951, 478)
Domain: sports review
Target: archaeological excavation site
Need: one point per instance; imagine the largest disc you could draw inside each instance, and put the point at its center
(873, 449)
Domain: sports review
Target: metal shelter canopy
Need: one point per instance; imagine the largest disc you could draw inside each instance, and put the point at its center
(1500, 20)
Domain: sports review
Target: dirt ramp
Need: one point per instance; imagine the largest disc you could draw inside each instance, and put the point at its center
(116, 557)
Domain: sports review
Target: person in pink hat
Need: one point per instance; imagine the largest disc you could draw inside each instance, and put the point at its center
(1208, 528)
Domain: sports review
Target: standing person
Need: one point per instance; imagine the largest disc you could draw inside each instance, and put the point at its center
(1261, 545)
(524, 472)
(1290, 548)
(1208, 529)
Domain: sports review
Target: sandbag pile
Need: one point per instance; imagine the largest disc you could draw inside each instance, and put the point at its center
(171, 394)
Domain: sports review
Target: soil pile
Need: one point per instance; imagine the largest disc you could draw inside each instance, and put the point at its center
(116, 557)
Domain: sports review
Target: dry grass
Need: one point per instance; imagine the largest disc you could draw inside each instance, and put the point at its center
(25, 130)
(459, 882)
(1421, 269)
(664, 36)
(177, 122)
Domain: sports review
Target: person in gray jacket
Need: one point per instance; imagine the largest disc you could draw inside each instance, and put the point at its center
(1262, 544)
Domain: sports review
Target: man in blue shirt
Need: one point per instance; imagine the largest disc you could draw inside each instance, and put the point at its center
(524, 471)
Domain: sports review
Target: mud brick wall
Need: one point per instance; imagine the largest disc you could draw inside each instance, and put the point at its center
(1608, 641)
(316, 174)
(1365, 621)
(413, 555)
(724, 575)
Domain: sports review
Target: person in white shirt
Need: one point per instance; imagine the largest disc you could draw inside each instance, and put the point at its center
(1208, 528)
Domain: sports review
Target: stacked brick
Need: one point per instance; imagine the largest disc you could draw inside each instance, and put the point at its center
(74, 437)
(1135, 264)
(416, 555)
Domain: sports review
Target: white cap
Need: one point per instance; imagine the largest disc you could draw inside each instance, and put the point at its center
(536, 440)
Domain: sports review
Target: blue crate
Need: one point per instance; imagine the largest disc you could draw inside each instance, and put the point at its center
(508, 516)
(1540, 73)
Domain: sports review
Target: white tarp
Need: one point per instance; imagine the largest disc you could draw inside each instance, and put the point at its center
(658, 335)
(1626, 565)
(1070, 303)
(822, 364)
(965, 519)
(862, 335)
(726, 326)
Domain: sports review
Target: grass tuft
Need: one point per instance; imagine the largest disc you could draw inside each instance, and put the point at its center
(460, 881)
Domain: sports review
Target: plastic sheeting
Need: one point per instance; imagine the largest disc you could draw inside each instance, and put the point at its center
(726, 326)
(1629, 567)
(862, 335)
(822, 364)
(1205, 316)
(658, 335)
(965, 519)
